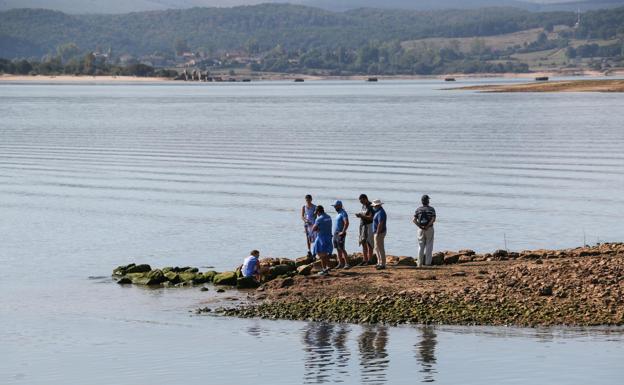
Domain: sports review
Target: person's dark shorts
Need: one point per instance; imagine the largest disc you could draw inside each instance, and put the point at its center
(339, 242)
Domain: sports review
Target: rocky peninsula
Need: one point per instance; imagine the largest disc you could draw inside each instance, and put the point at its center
(576, 287)
(592, 85)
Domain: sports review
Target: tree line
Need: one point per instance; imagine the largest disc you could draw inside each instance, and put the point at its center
(87, 65)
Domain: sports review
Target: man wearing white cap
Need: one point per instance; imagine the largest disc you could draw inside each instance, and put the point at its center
(379, 233)
(340, 234)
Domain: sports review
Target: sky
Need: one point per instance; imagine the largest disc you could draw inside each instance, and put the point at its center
(123, 6)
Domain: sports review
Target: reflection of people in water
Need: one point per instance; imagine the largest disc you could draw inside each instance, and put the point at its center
(342, 351)
(326, 351)
(373, 355)
(317, 345)
(425, 353)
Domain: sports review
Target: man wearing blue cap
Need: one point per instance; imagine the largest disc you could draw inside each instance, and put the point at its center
(340, 234)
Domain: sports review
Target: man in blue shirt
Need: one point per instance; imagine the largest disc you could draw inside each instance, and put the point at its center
(251, 266)
(340, 234)
(379, 233)
(323, 246)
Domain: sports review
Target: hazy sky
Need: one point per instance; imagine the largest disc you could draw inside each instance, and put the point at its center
(123, 6)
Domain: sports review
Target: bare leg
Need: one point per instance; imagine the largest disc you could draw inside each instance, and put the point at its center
(368, 252)
(324, 260)
(342, 257)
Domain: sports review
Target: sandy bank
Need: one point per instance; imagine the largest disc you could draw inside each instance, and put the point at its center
(583, 286)
(602, 85)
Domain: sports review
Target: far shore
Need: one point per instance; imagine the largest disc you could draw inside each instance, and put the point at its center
(8, 78)
(79, 79)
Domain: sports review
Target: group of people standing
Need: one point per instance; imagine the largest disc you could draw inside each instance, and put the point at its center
(324, 235)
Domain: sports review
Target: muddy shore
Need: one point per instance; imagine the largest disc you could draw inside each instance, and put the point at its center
(603, 85)
(576, 287)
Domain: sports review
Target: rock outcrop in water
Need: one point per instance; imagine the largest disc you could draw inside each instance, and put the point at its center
(583, 286)
(168, 276)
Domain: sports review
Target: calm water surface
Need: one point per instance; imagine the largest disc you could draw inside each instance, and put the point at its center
(93, 176)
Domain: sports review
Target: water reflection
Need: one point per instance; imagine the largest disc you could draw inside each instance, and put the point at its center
(373, 354)
(328, 351)
(425, 353)
(327, 355)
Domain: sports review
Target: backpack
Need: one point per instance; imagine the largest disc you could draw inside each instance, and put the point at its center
(423, 217)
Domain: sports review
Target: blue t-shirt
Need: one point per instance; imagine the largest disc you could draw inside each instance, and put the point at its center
(309, 214)
(249, 266)
(324, 224)
(341, 218)
(380, 216)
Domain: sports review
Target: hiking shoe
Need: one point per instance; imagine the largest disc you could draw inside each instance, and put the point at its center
(380, 267)
(347, 266)
(340, 266)
(365, 263)
(323, 273)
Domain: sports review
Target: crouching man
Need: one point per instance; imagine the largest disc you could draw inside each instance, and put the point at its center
(251, 266)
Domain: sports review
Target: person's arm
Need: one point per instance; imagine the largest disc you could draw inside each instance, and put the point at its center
(346, 226)
(416, 221)
(303, 218)
(431, 222)
(381, 225)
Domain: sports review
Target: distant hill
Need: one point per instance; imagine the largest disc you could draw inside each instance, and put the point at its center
(120, 6)
(300, 39)
(126, 6)
(530, 5)
(34, 33)
(27, 32)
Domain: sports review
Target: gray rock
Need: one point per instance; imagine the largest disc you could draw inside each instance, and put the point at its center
(247, 283)
(138, 269)
(305, 269)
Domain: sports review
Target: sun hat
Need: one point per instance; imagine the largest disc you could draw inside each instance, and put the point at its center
(377, 202)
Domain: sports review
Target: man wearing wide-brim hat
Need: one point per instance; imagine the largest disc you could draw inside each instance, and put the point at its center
(379, 232)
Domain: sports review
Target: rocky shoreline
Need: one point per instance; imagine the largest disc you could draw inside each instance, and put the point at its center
(575, 287)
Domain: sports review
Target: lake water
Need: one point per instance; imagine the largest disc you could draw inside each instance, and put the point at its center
(94, 176)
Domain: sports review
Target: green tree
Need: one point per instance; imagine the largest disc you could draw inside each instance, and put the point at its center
(89, 66)
(23, 67)
(180, 46)
(252, 47)
(67, 51)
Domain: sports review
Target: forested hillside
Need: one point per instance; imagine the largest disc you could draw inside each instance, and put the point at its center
(290, 38)
(27, 32)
